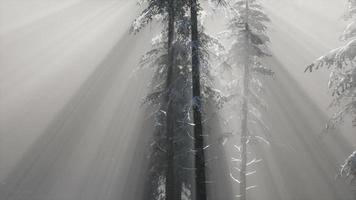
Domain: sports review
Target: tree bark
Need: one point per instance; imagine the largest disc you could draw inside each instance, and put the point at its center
(245, 109)
(197, 107)
(171, 182)
(244, 134)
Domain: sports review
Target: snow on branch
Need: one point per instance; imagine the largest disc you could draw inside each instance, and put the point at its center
(342, 79)
(348, 169)
(338, 58)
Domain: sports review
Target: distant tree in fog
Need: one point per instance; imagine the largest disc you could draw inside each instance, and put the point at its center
(247, 29)
(341, 63)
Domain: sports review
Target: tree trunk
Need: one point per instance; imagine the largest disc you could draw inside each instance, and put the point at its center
(170, 171)
(178, 190)
(197, 106)
(244, 120)
(244, 130)
(244, 134)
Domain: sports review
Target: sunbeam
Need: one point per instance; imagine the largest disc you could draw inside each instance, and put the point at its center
(75, 97)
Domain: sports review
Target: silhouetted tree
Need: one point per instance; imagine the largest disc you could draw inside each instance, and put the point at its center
(163, 56)
(197, 56)
(197, 106)
(176, 58)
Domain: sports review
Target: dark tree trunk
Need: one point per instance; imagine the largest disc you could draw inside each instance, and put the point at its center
(171, 171)
(197, 107)
(178, 190)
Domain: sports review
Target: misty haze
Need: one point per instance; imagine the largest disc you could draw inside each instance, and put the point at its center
(178, 100)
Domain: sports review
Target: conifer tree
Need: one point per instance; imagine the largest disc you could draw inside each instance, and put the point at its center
(247, 29)
(201, 88)
(342, 82)
(197, 106)
(164, 96)
(176, 59)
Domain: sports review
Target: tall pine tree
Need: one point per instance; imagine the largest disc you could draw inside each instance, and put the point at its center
(197, 106)
(164, 58)
(342, 81)
(175, 59)
(247, 28)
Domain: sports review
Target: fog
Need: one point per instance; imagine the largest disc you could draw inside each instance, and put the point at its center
(72, 124)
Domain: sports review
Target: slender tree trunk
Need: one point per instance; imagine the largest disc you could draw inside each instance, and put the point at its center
(178, 190)
(244, 134)
(197, 107)
(244, 119)
(171, 171)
